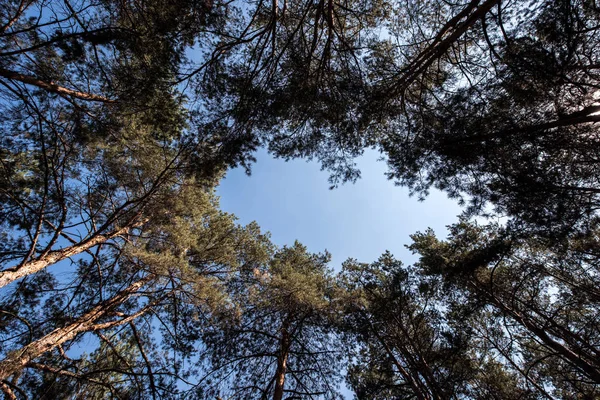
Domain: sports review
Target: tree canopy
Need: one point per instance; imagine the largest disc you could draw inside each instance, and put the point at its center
(120, 277)
(493, 102)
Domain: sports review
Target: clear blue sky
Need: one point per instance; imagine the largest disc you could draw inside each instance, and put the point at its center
(292, 200)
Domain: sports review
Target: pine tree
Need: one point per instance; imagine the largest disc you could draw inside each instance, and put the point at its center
(408, 340)
(170, 272)
(530, 299)
(279, 343)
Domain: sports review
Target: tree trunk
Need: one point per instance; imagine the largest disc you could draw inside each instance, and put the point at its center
(52, 87)
(420, 394)
(444, 39)
(590, 370)
(566, 353)
(282, 360)
(52, 257)
(18, 359)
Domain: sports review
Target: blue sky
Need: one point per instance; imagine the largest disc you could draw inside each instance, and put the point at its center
(292, 200)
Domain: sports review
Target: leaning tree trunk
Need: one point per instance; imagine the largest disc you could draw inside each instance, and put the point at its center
(52, 87)
(12, 274)
(580, 361)
(417, 387)
(18, 359)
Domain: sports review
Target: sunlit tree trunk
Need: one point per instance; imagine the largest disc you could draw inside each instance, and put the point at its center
(18, 359)
(52, 87)
(12, 274)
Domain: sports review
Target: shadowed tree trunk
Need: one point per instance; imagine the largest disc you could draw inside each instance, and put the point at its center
(577, 358)
(282, 360)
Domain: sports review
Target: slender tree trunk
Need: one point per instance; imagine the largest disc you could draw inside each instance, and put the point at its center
(414, 383)
(588, 369)
(22, 7)
(52, 87)
(587, 115)
(284, 351)
(420, 365)
(8, 393)
(588, 365)
(591, 370)
(12, 274)
(444, 39)
(18, 359)
(508, 357)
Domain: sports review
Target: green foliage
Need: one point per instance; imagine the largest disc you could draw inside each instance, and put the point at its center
(117, 119)
(408, 341)
(494, 103)
(282, 325)
(531, 303)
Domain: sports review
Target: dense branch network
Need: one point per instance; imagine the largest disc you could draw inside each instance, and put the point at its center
(121, 278)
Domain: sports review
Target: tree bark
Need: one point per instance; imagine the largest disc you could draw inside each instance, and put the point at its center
(284, 351)
(12, 274)
(17, 360)
(590, 370)
(445, 37)
(410, 379)
(585, 116)
(566, 353)
(52, 87)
